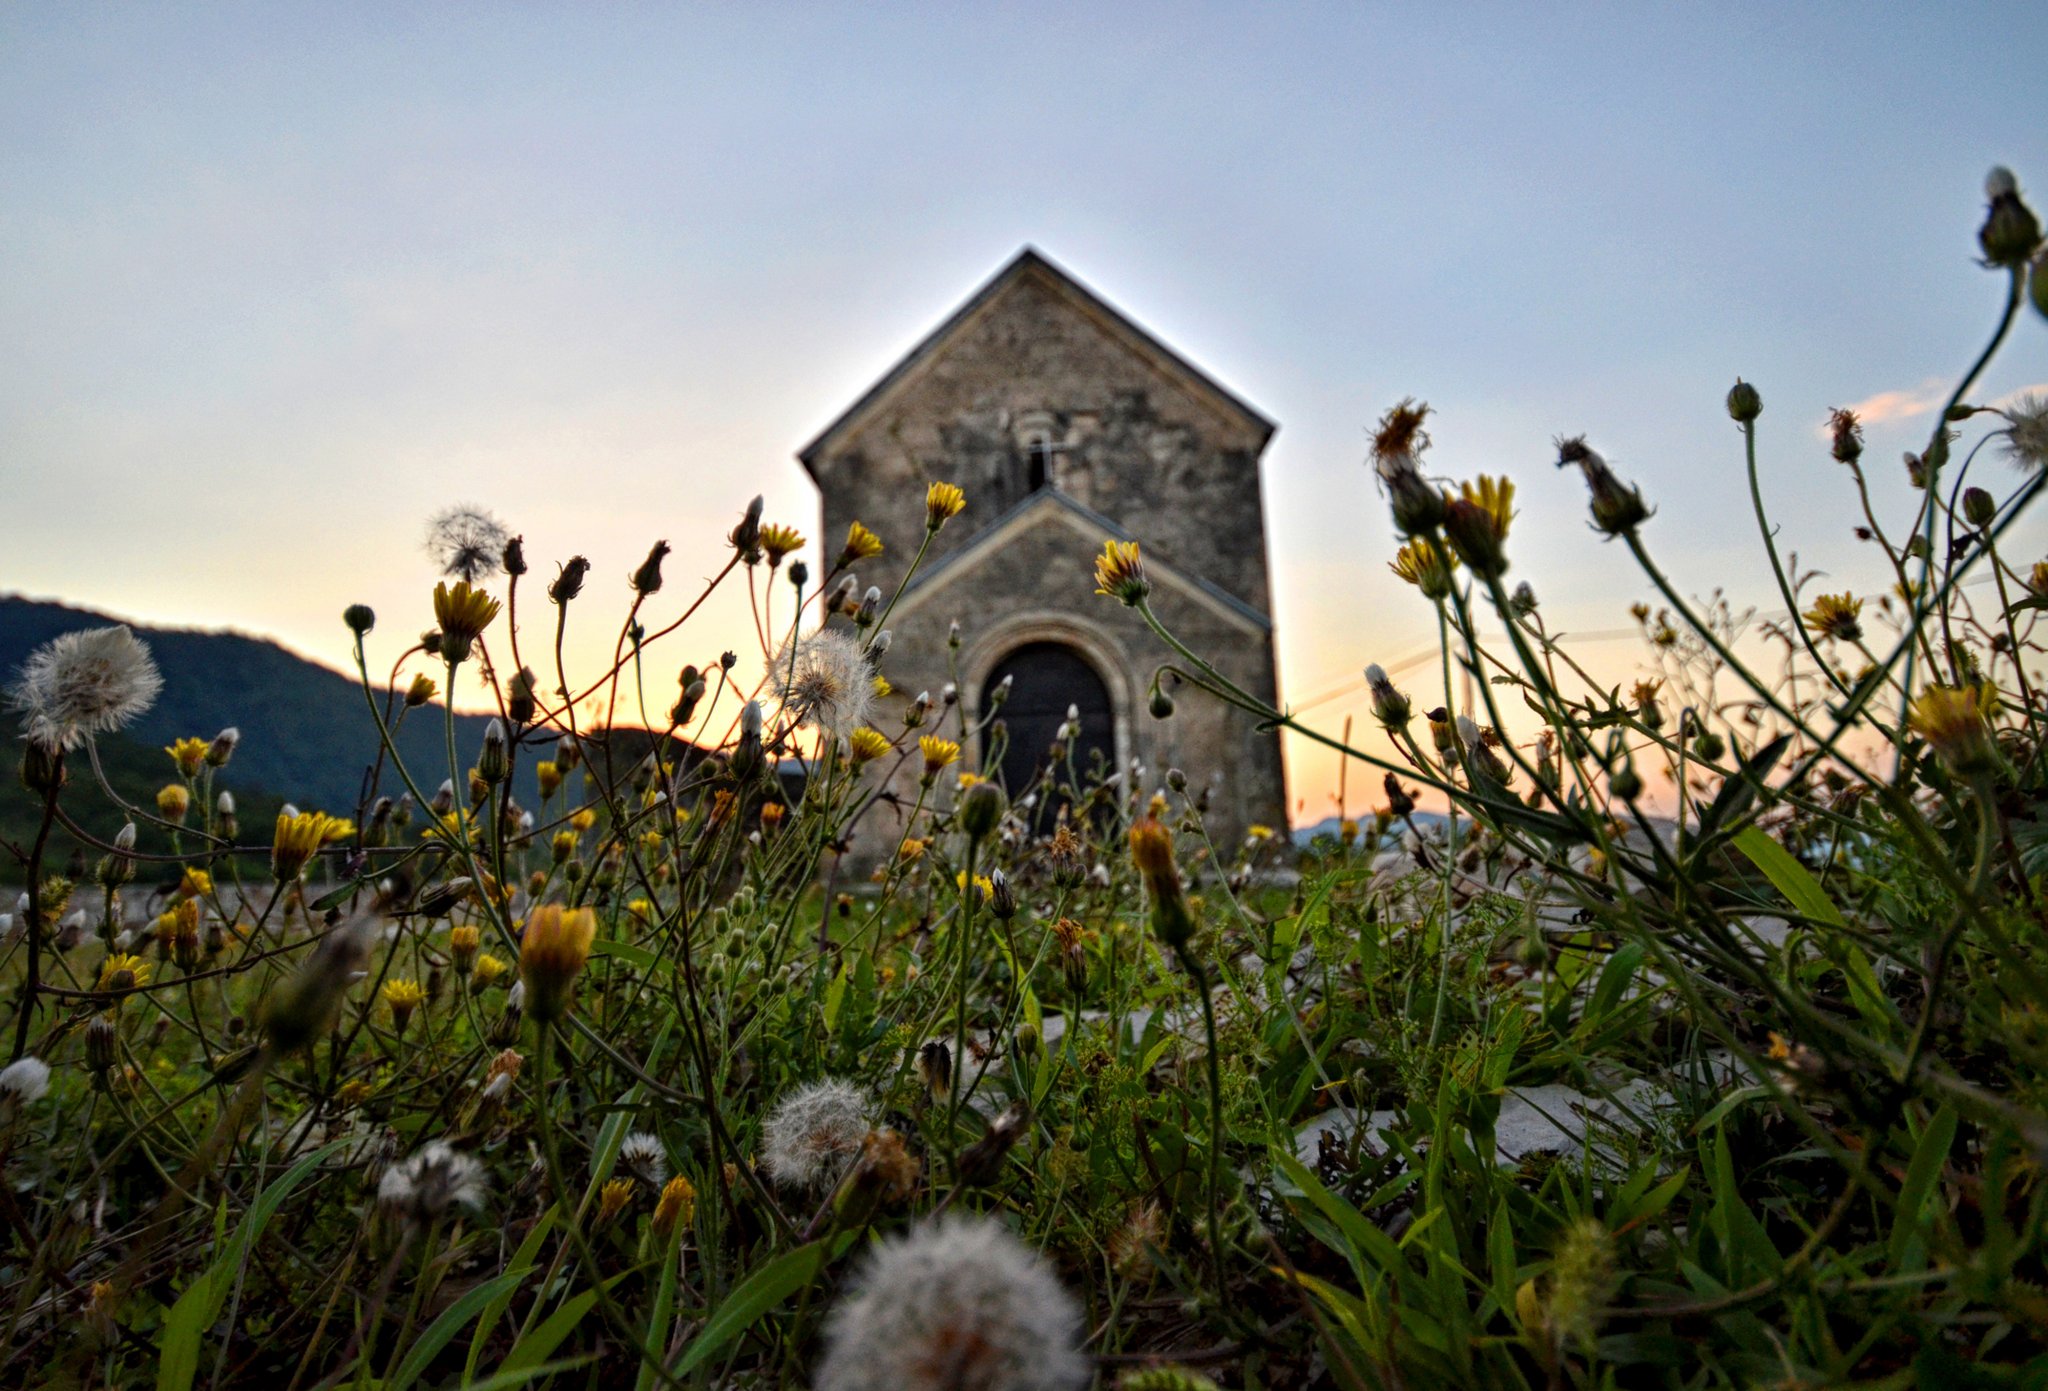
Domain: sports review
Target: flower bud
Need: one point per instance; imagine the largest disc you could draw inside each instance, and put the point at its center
(1978, 507)
(981, 809)
(1744, 404)
(552, 953)
(569, 583)
(1159, 704)
(494, 763)
(519, 697)
(647, 579)
(360, 618)
(1389, 706)
(1152, 853)
(42, 768)
(515, 556)
(2011, 232)
(1002, 898)
(223, 747)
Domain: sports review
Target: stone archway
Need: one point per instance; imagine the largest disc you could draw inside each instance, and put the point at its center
(1055, 662)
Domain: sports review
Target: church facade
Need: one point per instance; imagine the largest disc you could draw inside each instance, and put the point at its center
(1066, 425)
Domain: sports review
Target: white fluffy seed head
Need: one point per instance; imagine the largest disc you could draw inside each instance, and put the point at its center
(825, 681)
(814, 1133)
(956, 1303)
(425, 1186)
(85, 683)
(2026, 438)
(24, 1080)
(642, 1153)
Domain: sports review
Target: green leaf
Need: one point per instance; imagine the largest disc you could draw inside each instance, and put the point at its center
(1799, 887)
(534, 1348)
(523, 1260)
(1614, 980)
(452, 1321)
(751, 1300)
(1921, 1176)
(835, 996)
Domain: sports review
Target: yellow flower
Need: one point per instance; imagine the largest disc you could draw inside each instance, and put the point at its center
(463, 943)
(937, 753)
(1494, 496)
(298, 837)
(861, 544)
(583, 820)
(1955, 722)
(420, 691)
(122, 973)
(642, 908)
(942, 503)
(1261, 833)
(2037, 580)
(677, 1206)
(489, 969)
(548, 774)
(190, 756)
(866, 745)
(779, 541)
(403, 997)
(1152, 853)
(1834, 616)
(463, 612)
(196, 883)
(1425, 565)
(983, 885)
(1476, 525)
(612, 1199)
(880, 686)
(552, 954)
(772, 814)
(173, 801)
(1120, 572)
(968, 780)
(912, 850)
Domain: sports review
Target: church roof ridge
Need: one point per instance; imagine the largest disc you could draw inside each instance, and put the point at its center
(1027, 260)
(986, 536)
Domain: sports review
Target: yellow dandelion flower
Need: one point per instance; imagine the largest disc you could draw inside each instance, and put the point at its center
(880, 686)
(983, 885)
(677, 1206)
(779, 541)
(1835, 616)
(612, 1199)
(552, 954)
(195, 883)
(912, 850)
(173, 801)
(1425, 565)
(189, 754)
(488, 971)
(1120, 572)
(297, 839)
(583, 819)
(861, 544)
(938, 753)
(942, 503)
(463, 612)
(422, 690)
(121, 973)
(402, 997)
(772, 814)
(548, 774)
(1956, 723)
(866, 745)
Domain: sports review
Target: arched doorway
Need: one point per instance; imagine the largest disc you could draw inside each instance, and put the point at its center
(1048, 679)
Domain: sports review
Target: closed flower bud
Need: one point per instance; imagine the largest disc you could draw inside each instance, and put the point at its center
(42, 768)
(981, 809)
(870, 607)
(1978, 507)
(1625, 782)
(569, 582)
(1159, 704)
(420, 691)
(515, 556)
(2011, 232)
(647, 579)
(746, 537)
(519, 697)
(1152, 853)
(223, 747)
(360, 618)
(1002, 898)
(1389, 706)
(494, 763)
(1744, 404)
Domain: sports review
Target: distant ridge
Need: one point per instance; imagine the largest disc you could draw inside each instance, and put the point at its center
(307, 735)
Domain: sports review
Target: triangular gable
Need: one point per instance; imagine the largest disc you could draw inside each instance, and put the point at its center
(1029, 263)
(1049, 506)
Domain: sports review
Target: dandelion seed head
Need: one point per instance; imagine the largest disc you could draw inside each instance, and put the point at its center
(89, 682)
(466, 542)
(424, 1187)
(957, 1303)
(2026, 438)
(824, 681)
(24, 1080)
(814, 1133)
(642, 1153)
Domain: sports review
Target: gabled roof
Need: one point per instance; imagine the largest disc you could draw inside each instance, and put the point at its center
(990, 542)
(1029, 263)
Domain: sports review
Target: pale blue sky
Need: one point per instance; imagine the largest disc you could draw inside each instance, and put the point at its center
(279, 281)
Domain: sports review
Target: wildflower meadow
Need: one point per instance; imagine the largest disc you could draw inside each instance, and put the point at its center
(1687, 1034)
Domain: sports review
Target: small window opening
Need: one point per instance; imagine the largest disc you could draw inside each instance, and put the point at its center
(1037, 465)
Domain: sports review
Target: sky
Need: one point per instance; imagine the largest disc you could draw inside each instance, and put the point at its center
(282, 281)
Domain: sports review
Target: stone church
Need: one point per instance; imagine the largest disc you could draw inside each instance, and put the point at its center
(1066, 425)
